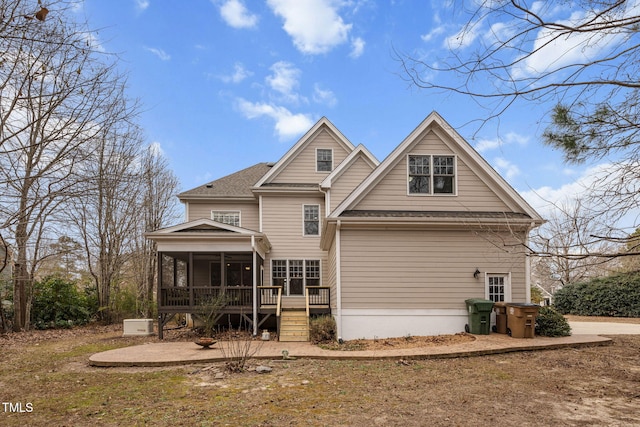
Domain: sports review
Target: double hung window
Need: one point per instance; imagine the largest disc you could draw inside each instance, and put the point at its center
(311, 214)
(431, 174)
(324, 160)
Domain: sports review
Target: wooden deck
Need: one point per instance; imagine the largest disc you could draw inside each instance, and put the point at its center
(238, 300)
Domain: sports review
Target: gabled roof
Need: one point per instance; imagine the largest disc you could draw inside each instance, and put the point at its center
(359, 152)
(207, 230)
(203, 225)
(301, 144)
(236, 185)
(477, 163)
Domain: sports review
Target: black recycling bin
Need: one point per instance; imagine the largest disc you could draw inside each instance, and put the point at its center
(479, 316)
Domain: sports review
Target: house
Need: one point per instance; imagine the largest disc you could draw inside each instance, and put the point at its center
(391, 248)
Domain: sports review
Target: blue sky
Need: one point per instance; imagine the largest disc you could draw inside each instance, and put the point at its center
(226, 84)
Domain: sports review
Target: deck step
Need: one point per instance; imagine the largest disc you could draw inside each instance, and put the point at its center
(294, 326)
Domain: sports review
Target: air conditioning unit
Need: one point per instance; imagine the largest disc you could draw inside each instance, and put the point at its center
(138, 327)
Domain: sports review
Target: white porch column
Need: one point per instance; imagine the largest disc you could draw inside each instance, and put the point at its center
(255, 286)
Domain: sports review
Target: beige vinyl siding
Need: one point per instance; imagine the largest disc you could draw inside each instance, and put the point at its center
(348, 180)
(472, 193)
(302, 168)
(424, 269)
(249, 217)
(330, 274)
(282, 222)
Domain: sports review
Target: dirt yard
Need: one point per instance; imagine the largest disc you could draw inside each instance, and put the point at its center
(46, 375)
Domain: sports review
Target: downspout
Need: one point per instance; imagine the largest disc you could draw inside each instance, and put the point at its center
(260, 213)
(255, 286)
(338, 283)
(527, 265)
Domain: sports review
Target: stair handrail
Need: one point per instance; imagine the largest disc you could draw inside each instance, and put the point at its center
(306, 301)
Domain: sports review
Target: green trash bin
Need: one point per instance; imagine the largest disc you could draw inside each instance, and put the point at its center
(479, 316)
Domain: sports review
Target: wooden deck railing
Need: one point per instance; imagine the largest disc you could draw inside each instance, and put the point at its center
(318, 296)
(236, 296)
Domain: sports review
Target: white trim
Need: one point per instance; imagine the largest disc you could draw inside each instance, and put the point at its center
(338, 280)
(389, 323)
(302, 142)
(507, 284)
(260, 213)
(431, 192)
(285, 290)
(228, 211)
(359, 152)
(319, 220)
(255, 286)
(331, 167)
(474, 161)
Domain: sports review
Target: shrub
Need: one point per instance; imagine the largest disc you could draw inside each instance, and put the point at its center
(322, 329)
(617, 296)
(58, 303)
(550, 323)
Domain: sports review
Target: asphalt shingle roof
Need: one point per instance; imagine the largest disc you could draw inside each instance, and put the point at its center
(237, 184)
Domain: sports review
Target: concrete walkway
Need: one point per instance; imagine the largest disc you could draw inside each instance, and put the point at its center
(179, 353)
(604, 328)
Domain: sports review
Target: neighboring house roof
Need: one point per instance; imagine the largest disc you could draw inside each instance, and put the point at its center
(306, 139)
(481, 168)
(236, 185)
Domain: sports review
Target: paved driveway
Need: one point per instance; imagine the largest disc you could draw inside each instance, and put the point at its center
(604, 328)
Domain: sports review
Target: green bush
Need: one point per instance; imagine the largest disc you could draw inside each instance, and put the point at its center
(550, 323)
(124, 304)
(58, 303)
(322, 329)
(616, 296)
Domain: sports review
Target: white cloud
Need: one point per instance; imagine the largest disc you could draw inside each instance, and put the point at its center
(284, 80)
(287, 124)
(465, 37)
(164, 56)
(156, 149)
(546, 199)
(506, 168)
(433, 33)
(236, 15)
(325, 97)
(239, 74)
(553, 50)
(314, 25)
(357, 47)
(485, 145)
(142, 5)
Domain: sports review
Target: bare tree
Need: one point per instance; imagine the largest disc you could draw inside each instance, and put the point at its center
(158, 207)
(107, 214)
(54, 93)
(568, 251)
(583, 61)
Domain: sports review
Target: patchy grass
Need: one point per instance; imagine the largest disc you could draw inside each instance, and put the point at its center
(587, 386)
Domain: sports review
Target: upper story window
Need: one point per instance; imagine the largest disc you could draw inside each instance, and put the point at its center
(324, 160)
(226, 217)
(311, 220)
(431, 174)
